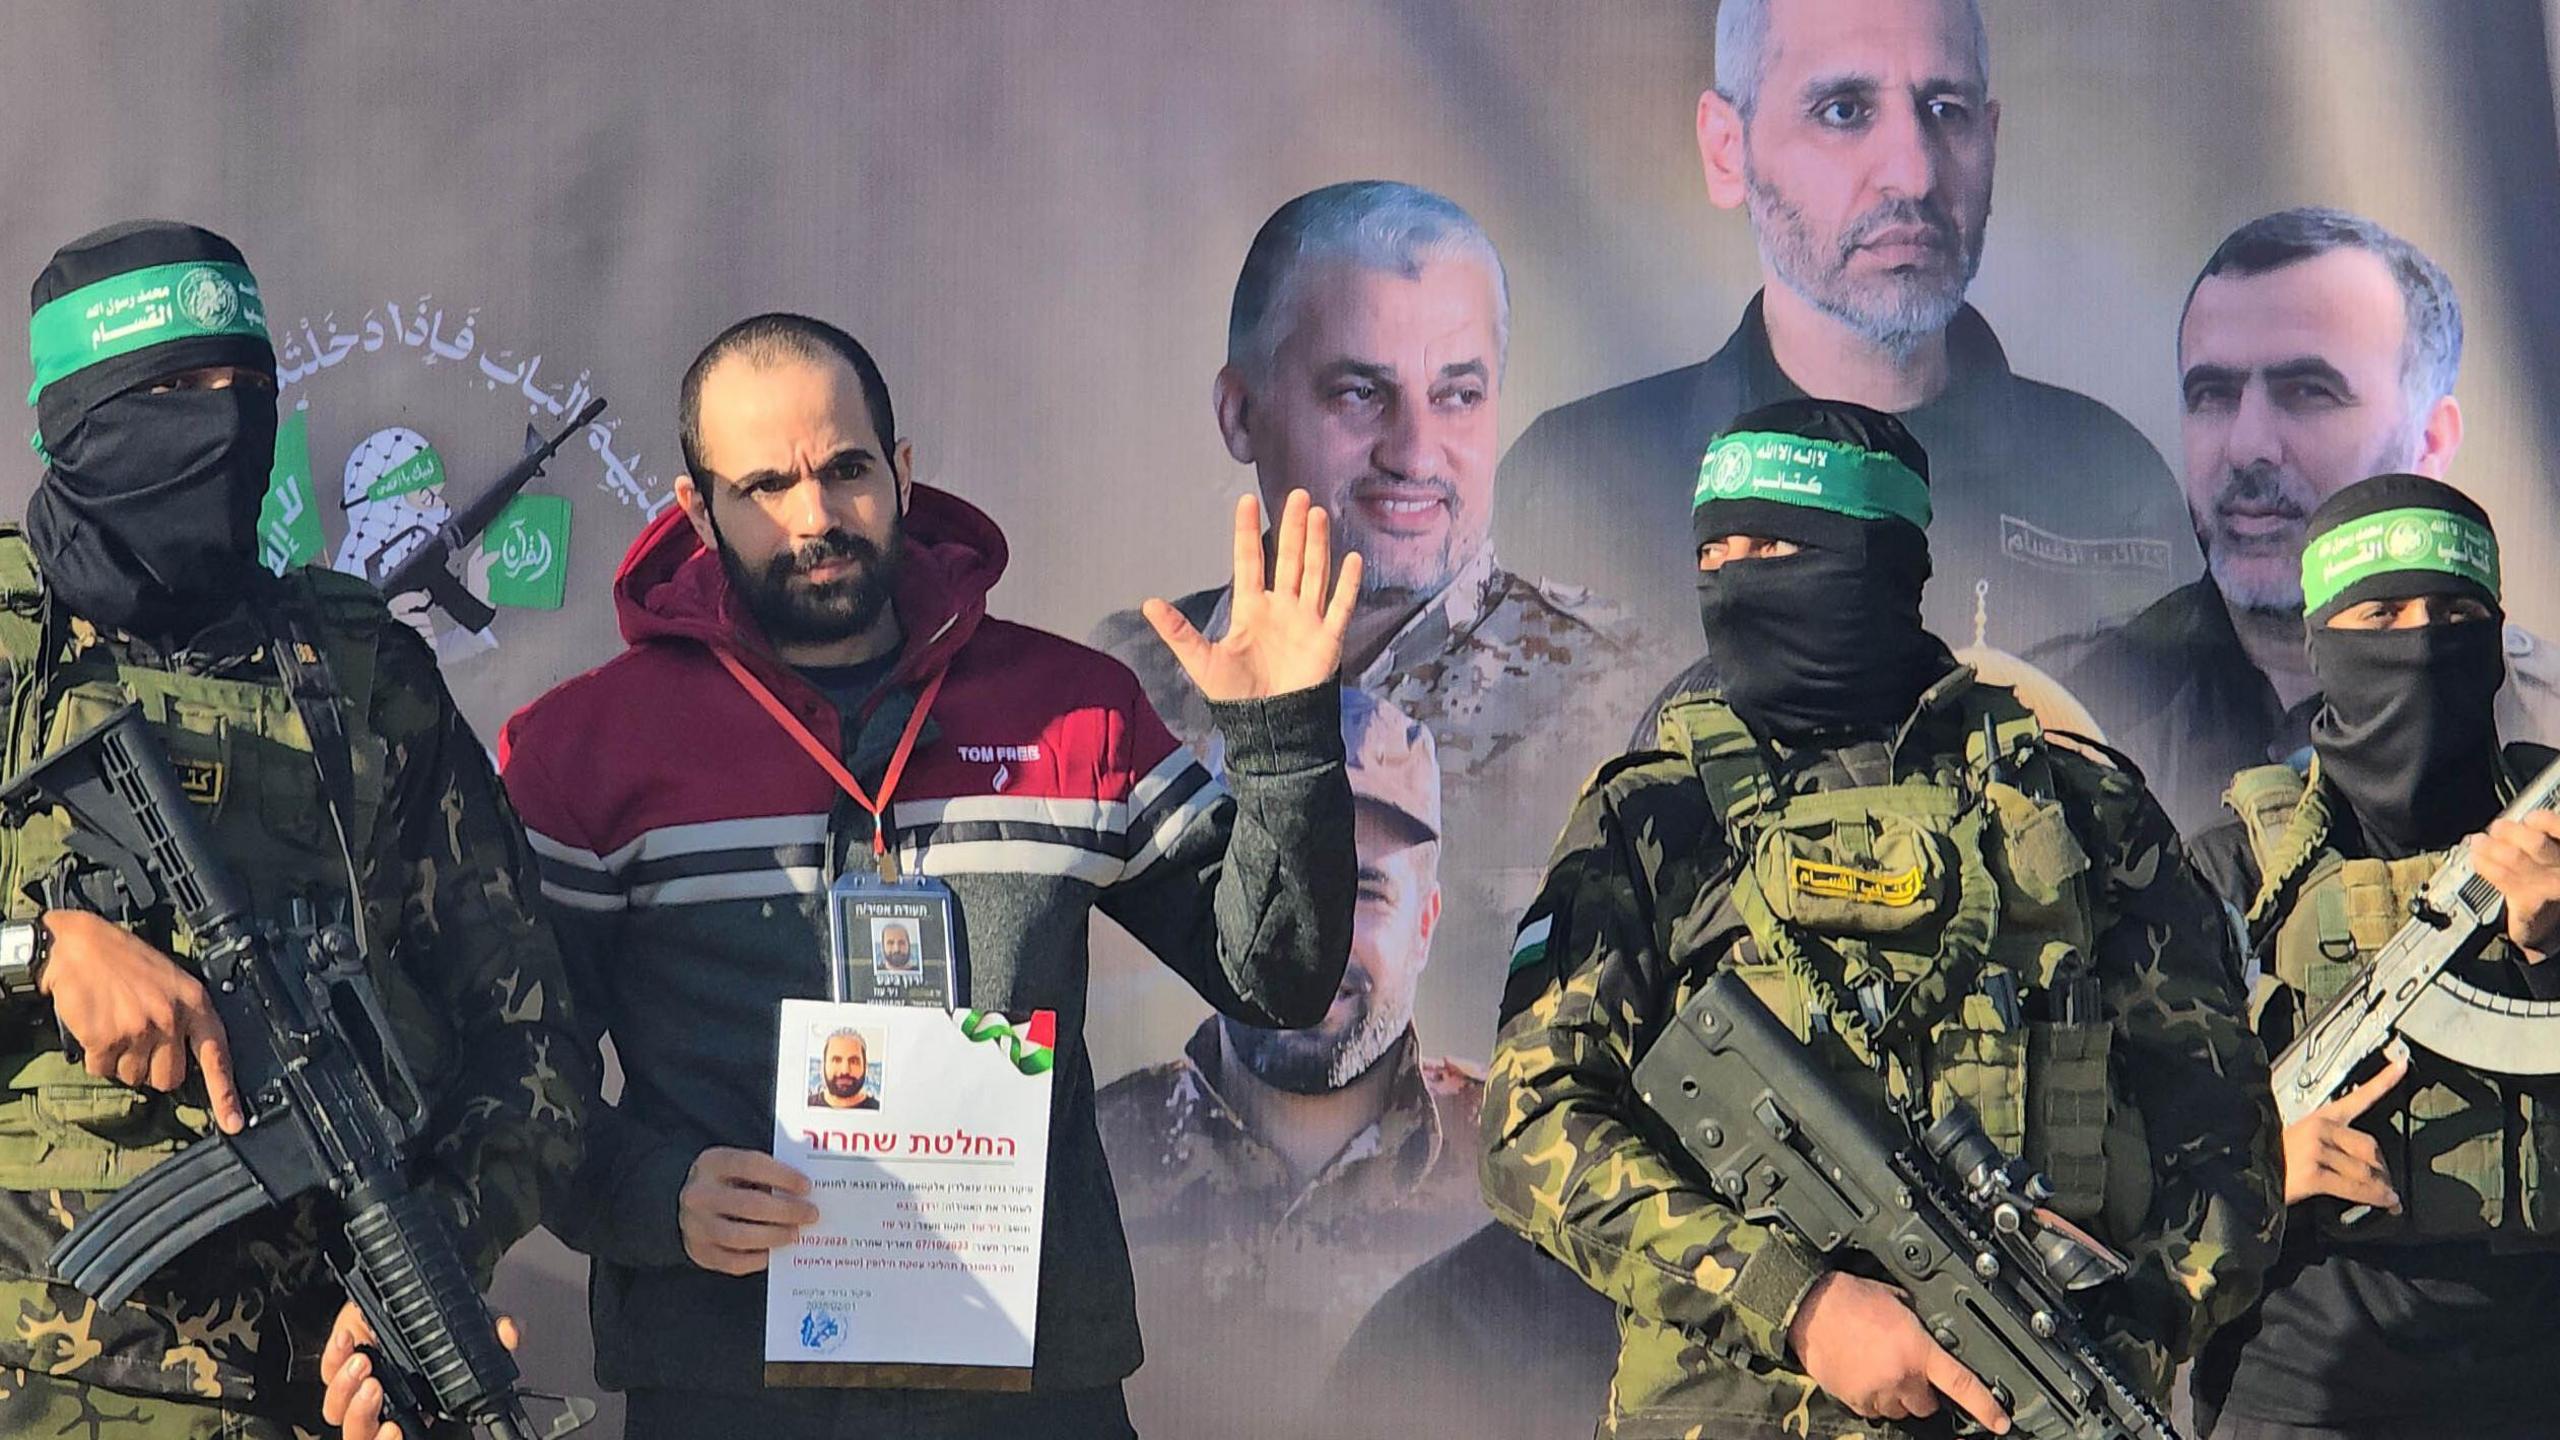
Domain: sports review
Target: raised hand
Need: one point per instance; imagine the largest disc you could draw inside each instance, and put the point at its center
(2325, 1154)
(1283, 638)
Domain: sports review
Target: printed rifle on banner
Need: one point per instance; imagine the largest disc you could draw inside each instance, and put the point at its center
(429, 567)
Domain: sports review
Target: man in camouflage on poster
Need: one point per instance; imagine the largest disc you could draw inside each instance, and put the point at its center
(1367, 344)
(1274, 1182)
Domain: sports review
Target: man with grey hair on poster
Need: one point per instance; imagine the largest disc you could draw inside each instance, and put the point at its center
(1858, 136)
(2316, 349)
(1365, 357)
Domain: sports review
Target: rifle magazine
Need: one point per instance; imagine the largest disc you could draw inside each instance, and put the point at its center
(154, 1220)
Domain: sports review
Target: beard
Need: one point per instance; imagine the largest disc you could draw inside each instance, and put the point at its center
(2258, 573)
(1399, 568)
(1897, 310)
(844, 1087)
(1328, 1057)
(2264, 573)
(794, 610)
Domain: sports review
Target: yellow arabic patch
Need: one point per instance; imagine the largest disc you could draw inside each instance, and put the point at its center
(200, 779)
(1841, 882)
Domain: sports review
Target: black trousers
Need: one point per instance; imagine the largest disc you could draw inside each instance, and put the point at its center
(1098, 1414)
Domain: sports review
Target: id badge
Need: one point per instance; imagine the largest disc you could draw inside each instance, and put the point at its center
(894, 942)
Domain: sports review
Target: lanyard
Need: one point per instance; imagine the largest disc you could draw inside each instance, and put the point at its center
(834, 767)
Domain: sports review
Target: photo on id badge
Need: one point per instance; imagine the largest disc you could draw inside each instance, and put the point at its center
(846, 1067)
(892, 942)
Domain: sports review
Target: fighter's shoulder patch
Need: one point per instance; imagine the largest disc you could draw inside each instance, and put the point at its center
(1529, 946)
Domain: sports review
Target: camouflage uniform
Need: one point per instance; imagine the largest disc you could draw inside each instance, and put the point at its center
(1248, 1268)
(471, 982)
(1525, 685)
(48, 1405)
(1638, 909)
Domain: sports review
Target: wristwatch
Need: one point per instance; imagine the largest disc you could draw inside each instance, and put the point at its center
(24, 947)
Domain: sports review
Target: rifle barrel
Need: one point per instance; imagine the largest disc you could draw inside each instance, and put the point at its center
(473, 519)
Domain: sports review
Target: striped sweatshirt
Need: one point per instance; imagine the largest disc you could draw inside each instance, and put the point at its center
(686, 844)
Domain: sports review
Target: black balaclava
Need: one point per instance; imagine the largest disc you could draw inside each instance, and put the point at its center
(1827, 640)
(146, 519)
(2407, 729)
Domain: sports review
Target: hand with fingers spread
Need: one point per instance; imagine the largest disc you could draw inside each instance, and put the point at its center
(738, 1206)
(2325, 1154)
(2522, 858)
(139, 1018)
(1859, 1340)
(354, 1400)
(1282, 638)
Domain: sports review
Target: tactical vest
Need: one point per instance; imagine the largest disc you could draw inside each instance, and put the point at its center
(1943, 927)
(2471, 1154)
(244, 757)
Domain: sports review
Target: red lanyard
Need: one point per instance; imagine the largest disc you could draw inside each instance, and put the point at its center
(826, 756)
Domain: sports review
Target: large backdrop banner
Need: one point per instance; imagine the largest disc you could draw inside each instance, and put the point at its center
(471, 218)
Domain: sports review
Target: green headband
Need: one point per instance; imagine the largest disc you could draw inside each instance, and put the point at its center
(151, 306)
(2414, 538)
(1821, 474)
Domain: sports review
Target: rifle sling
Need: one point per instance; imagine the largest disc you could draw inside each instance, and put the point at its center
(313, 690)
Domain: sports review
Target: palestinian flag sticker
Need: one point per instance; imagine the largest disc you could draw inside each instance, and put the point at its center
(1033, 1047)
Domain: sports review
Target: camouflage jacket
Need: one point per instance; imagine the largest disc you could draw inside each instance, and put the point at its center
(1525, 685)
(470, 978)
(1637, 913)
(1256, 1274)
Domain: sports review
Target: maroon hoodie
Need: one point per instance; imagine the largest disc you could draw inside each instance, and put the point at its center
(687, 843)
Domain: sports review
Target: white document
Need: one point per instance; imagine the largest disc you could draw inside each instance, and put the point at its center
(925, 1136)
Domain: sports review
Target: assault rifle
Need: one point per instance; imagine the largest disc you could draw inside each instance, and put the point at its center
(331, 1106)
(1942, 1214)
(2408, 990)
(427, 567)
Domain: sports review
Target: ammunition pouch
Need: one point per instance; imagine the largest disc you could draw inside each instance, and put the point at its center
(1937, 927)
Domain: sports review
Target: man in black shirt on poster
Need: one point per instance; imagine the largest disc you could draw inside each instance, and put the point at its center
(1859, 136)
(2316, 349)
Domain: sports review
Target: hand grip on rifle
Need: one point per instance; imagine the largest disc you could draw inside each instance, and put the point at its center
(2452, 917)
(1944, 1215)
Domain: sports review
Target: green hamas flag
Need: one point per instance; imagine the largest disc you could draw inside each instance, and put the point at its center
(289, 518)
(528, 552)
(1821, 474)
(2413, 538)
